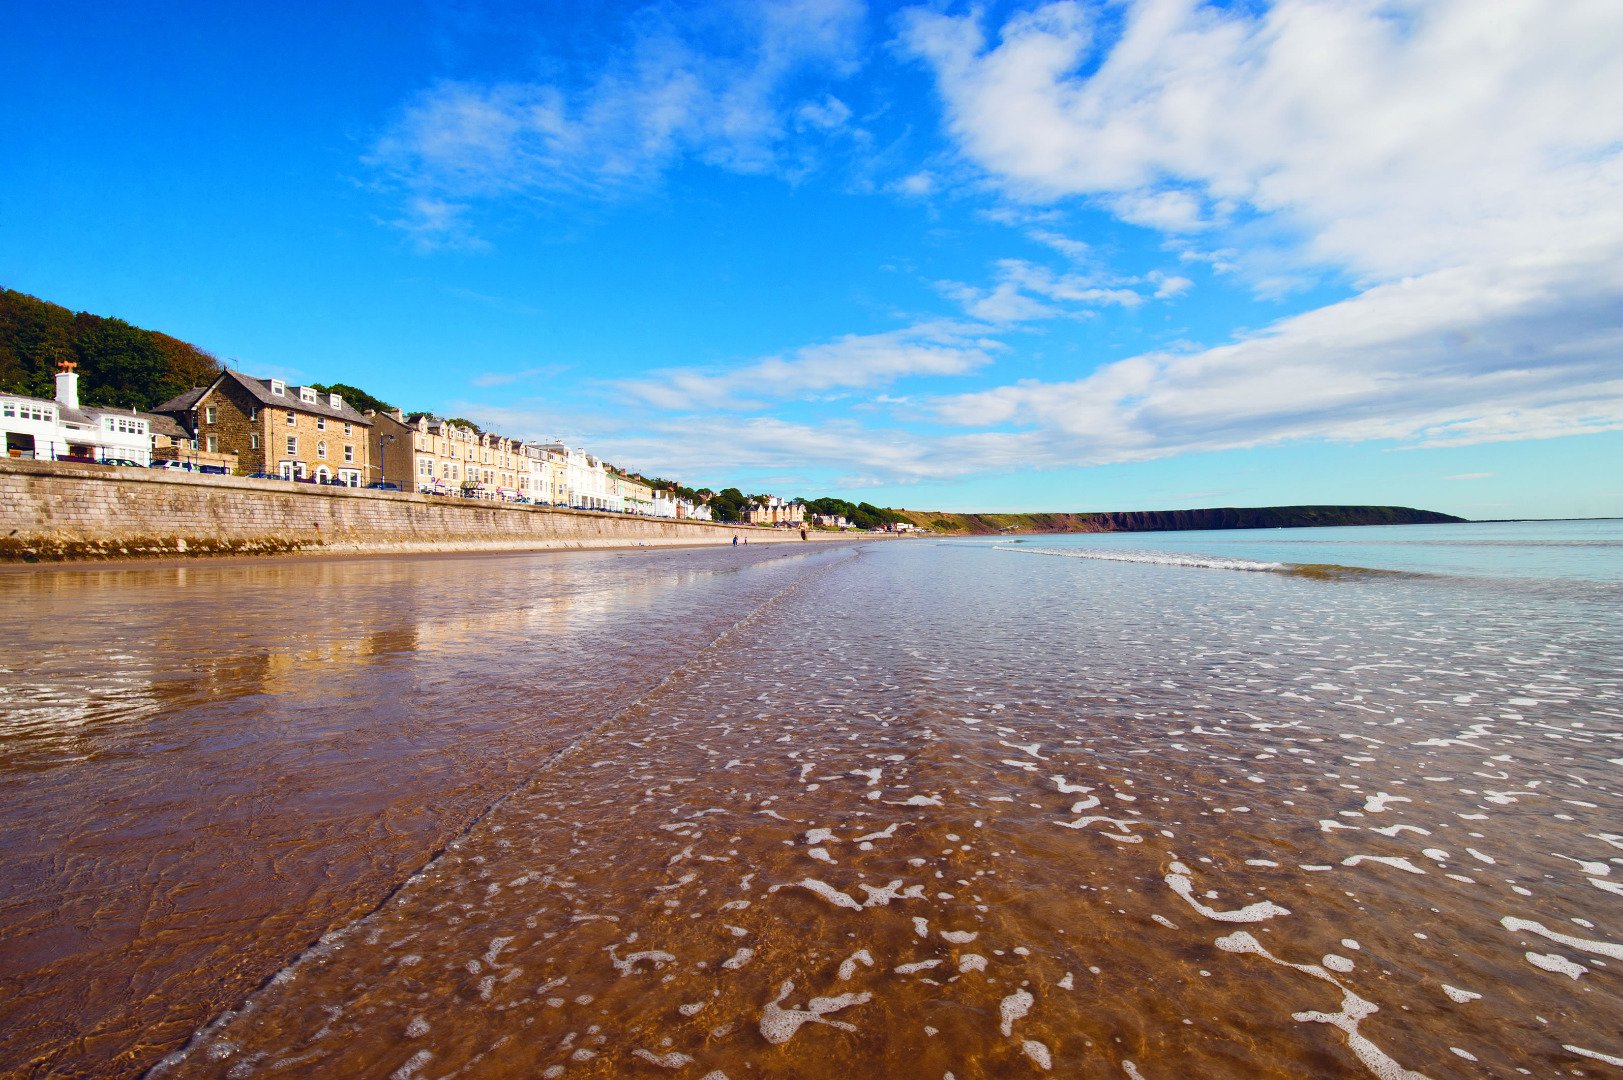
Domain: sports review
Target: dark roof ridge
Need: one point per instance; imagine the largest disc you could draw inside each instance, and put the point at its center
(260, 389)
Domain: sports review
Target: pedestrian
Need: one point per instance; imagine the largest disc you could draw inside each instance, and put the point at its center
(735, 539)
(803, 532)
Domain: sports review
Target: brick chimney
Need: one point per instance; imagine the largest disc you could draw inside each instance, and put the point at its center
(67, 384)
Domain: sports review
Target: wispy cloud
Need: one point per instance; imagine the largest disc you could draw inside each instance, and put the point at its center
(859, 361)
(659, 99)
(1388, 364)
(1470, 476)
(508, 378)
(1025, 291)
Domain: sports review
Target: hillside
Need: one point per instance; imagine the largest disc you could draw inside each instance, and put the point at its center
(1223, 517)
(119, 364)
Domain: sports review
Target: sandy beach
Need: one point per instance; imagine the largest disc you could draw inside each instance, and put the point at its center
(813, 811)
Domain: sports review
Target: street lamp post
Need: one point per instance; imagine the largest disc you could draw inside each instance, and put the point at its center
(383, 447)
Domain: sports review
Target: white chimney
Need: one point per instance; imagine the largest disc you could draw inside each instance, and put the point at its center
(67, 385)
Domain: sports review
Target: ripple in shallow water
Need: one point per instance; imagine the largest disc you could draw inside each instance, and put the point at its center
(930, 810)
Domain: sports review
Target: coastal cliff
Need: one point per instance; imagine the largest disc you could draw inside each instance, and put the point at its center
(1220, 517)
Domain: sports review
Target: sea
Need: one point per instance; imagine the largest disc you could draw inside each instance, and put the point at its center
(1284, 803)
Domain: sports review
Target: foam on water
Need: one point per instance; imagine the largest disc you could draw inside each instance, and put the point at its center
(1191, 731)
(1154, 558)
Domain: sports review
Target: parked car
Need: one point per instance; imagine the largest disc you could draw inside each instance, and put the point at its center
(264, 476)
(126, 462)
(383, 485)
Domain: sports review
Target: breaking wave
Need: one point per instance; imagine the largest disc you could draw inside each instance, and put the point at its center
(1209, 562)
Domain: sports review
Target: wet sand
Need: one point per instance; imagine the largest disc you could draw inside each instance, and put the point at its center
(209, 766)
(904, 811)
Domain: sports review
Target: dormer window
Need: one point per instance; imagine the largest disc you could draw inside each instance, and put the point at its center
(307, 395)
(335, 401)
(278, 388)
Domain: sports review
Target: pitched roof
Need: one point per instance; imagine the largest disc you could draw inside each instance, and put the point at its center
(183, 402)
(289, 399)
(163, 425)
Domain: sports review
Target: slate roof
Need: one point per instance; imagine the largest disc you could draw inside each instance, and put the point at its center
(163, 425)
(261, 392)
(184, 402)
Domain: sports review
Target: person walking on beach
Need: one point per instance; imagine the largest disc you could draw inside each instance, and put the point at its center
(735, 540)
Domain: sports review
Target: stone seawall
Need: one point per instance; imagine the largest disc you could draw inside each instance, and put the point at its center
(59, 511)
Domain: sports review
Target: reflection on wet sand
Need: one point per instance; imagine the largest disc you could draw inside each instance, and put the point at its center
(207, 768)
(911, 811)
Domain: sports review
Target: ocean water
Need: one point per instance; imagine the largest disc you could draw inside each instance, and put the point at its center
(1583, 551)
(914, 809)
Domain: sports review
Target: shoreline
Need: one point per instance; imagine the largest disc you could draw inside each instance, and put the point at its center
(11, 566)
(62, 514)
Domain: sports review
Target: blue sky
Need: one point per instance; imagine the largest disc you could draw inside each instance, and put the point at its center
(1065, 256)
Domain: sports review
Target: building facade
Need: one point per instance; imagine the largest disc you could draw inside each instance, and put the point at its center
(771, 510)
(391, 453)
(62, 430)
(294, 432)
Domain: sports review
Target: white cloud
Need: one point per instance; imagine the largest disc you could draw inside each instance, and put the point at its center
(1450, 359)
(853, 361)
(829, 114)
(1168, 286)
(1451, 157)
(1470, 476)
(1075, 250)
(1025, 291)
(1397, 137)
(916, 185)
(714, 447)
(660, 98)
(488, 379)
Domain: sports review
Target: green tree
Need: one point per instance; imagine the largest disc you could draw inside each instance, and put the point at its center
(354, 397)
(119, 365)
(728, 505)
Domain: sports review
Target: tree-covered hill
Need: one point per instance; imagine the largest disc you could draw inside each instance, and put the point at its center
(119, 365)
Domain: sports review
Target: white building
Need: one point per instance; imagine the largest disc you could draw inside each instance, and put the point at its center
(61, 430)
(580, 480)
(548, 482)
(663, 505)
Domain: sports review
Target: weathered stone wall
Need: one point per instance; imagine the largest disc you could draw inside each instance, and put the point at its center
(59, 510)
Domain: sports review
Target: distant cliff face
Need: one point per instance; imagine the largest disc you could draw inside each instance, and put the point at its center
(1221, 517)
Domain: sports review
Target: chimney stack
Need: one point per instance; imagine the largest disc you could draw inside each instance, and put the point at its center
(67, 384)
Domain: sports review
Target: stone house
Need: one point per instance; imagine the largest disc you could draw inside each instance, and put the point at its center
(771, 510)
(392, 449)
(294, 432)
(496, 468)
(171, 442)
